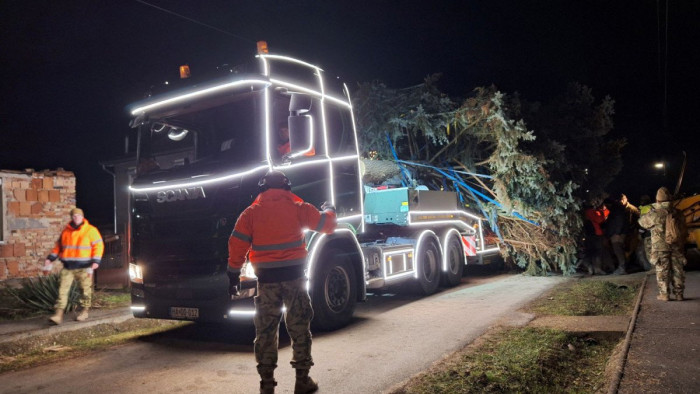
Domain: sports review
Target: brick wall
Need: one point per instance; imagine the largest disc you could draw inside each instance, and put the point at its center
(36, 208)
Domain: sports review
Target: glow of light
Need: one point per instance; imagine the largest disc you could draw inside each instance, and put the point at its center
(325, 133)
(659, 165)
(316, 243)
(387, 256)
(289, 59)
(349, 218)
(357, 149)
(138, 308)
(196, 183)
(416, 257)
(242, 312)
(411, 222)
(311, 142)
(482, 243)
(309, 91)
(489, 250)
(445, 250)
(198, 93)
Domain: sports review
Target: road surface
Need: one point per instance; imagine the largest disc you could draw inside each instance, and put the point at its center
(392, 338)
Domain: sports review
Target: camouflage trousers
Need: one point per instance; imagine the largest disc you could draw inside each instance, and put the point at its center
(297, 318)
(66, 280)
(670, 273)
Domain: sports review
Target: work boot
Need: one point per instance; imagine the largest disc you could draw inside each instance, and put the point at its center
(679, 296)
(662, 297)
(267, 383)
(83, 315)
(304, 384)
(57, 317)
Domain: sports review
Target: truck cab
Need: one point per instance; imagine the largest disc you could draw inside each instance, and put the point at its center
(201, 153)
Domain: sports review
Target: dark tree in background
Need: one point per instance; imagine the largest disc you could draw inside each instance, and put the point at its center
(526, 183)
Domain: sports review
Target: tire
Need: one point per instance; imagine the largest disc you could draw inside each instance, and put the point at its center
(333, 291)
(428, 264)
(455, 261)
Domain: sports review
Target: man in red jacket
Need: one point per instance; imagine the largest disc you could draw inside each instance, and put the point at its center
(271, 233)
(80, 248)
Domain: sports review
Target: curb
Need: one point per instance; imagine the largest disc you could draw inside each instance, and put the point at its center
(118, 316)
(620, 368)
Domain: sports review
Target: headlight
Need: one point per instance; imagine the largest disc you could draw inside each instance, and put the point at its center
(135, 273)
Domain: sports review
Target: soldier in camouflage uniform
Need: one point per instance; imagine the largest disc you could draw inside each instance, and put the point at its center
(668, 258)
(270, 232)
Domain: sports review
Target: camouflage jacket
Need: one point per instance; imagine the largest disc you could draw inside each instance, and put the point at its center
(655, 220)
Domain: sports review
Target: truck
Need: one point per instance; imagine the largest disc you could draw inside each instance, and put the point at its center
(201, 151)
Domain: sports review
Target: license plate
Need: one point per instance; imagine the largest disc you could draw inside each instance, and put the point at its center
(184, 313)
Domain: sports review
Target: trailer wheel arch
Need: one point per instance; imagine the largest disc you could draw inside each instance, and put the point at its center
(428, 262)
(453, 258)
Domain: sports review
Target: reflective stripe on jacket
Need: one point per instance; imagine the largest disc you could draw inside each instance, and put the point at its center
(78, 247)
(271, 230)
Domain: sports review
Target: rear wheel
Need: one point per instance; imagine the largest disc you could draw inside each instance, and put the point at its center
(428, 266)
(455, 261)
(334, 291)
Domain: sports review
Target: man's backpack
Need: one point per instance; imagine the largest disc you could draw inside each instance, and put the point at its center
(674, 226)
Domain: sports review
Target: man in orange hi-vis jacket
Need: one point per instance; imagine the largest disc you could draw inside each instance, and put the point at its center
(80, 249)
(271, 233)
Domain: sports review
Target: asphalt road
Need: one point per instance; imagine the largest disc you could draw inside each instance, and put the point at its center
(392, 338)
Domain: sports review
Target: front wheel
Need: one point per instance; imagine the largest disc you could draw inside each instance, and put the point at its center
(333, 291)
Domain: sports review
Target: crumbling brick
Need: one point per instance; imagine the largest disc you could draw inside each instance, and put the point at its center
(48, 183)
(13, 268)
(37, 183)
(43, 196)
(13, 208)
(19, 250)
(54, 195)
(31, 195)
(19, 194)
(25, 209)
(6, 250)
(37, 208)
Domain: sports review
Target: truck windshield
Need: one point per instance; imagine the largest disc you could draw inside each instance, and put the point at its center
(224, 132)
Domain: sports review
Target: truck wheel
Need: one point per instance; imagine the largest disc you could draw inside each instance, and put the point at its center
(428, 264)
(334, 291)
(455, 262)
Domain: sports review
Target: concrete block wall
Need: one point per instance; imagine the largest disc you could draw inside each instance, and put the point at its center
(36, 208)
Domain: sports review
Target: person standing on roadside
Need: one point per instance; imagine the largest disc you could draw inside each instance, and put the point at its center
(80, 249)
(621, 221)
(668, 258)
(270, 232)
(594, 217)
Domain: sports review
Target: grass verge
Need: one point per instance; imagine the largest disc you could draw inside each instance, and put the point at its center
(585, 297)
(525, 360)
(538, 360)
(35, 351)
(11, 309)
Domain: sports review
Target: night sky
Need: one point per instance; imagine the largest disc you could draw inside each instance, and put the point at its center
(69, 68)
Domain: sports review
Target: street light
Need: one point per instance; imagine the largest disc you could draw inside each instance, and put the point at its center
(661, 165)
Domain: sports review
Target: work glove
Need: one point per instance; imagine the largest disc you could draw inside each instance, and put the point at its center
(48, 266)
(234, 282)
(326, 206)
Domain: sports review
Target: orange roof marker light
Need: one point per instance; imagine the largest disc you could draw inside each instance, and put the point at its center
(184, 71)
(262, 47)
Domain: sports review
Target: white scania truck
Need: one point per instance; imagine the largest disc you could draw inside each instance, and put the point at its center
(201, 152)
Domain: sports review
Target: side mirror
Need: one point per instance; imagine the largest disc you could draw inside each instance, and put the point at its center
(301, 139)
